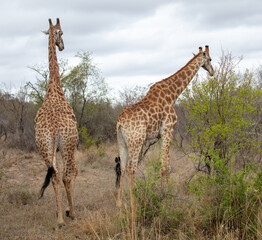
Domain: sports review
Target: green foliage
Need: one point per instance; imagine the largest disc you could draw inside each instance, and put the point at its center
(230, 197)
(222, 113)
(84, 84)
(37, 90)
(86, 92)
(86, 139)
(223, 130)
(155, 199)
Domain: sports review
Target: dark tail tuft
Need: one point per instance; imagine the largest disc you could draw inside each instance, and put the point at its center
(118, 171)
(48, 176)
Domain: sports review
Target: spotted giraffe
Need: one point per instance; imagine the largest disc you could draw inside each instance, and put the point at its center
(56, 129)
(153, 118)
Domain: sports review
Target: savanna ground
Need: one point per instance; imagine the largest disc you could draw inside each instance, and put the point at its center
(23, 216)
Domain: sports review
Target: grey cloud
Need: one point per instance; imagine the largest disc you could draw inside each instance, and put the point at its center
(221, 13)
(105, 28)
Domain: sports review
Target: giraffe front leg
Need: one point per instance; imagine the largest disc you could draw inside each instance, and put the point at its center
(165, 155)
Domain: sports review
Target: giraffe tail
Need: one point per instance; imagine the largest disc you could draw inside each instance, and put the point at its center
(118, 171)
(49, 175)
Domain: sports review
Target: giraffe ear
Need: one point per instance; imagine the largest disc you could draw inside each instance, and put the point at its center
(46, 32)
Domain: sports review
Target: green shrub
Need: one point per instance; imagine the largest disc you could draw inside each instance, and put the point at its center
(85, 138)
(230, 198)
(223, 116)
(156, 200)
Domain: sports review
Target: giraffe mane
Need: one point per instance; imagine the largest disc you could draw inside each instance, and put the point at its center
(195, 56)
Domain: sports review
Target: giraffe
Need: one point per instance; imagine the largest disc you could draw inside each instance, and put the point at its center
(153, 118)
(56, 129)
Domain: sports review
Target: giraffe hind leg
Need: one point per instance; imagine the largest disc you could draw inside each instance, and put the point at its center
(118, 171)
(57, 188)
(69, 176)
(69, 186)
(120, 164)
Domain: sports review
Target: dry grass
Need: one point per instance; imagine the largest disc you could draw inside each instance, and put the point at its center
(25, 217)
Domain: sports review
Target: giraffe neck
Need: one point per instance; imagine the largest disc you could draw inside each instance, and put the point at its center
(176, 83)
(54, 84)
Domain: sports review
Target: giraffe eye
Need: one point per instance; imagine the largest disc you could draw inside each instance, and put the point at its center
(58, 32)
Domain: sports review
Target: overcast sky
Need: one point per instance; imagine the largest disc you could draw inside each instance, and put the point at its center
(132, 42)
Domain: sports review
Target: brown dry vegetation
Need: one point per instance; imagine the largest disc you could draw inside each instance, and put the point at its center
(23, 216)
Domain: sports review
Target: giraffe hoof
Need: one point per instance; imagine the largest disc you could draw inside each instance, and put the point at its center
(59, 226)
(72, 216)
(67, 213)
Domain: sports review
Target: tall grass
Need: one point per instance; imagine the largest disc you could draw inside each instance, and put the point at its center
(226, 205)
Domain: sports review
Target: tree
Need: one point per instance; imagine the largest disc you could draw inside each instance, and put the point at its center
(16, 121)
(129, 96)
(85, 90)
(223, 115)
(84, 86)
(38, 89)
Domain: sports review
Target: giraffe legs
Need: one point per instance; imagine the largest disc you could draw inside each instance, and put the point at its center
(131, 174)
(55, 179)
(123, 151)
(69, 186)
(69, 176)
(131, 166)
(119, 191)
(165, 154)
(57, 188)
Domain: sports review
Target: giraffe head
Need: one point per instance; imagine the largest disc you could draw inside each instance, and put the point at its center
(206, 60)
(57, 33)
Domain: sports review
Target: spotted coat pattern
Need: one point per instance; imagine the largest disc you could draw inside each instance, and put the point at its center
(154, 117)
(55, 126)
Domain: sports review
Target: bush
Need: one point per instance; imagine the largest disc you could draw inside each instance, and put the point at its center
(156, 201)
(86, 139)
(20, 197)
(229, 198)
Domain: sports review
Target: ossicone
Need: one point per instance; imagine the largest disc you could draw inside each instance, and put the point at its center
(50, 22)
(207, 49)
